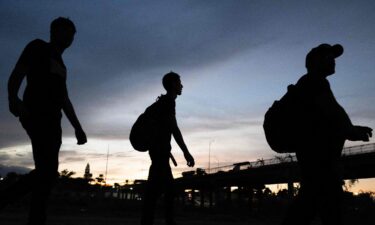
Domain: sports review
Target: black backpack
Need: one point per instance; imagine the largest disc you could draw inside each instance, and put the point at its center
(142, 133)
(285, 122)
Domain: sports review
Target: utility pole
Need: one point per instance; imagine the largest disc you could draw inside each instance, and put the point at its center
(209, 155)
(106, 166)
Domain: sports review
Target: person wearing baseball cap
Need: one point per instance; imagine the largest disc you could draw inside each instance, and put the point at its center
(319, 59)
(326, 128)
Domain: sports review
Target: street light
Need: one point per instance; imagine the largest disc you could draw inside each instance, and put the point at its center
(209, 155)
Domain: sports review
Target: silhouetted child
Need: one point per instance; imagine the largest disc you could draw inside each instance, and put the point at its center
(160, 178)
(40, 113)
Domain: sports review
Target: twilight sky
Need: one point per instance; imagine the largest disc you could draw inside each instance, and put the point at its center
(234, 57)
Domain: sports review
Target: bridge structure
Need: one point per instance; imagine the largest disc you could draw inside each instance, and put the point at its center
(249, 178)
(358, 162)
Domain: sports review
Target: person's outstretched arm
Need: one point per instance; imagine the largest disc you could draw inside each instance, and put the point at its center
(360, 133)
(72, 117)
(180, 141)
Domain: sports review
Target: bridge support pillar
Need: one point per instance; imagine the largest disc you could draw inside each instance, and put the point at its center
(290, 190)
(201, 192)
(193, 197)
(251, 197)
(210, 198)
(229, 195)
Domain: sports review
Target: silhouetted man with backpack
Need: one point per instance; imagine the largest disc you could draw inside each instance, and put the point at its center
(40, 113)
(327, 126)
(160, 178)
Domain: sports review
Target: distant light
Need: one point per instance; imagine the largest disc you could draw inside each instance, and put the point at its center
(355, 193)
(233, 188)
(131, 188)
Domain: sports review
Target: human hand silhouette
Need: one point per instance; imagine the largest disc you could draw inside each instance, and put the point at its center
(18, 108)
(360, 133)
(81, 137)
(189, 159)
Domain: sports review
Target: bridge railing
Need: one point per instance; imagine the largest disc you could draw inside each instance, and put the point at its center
(255, 164)
(283, 158)
(359, 149)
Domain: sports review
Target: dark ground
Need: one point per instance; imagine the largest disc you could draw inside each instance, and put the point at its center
(85, 211)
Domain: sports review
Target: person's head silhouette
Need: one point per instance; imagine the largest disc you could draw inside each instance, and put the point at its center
(321, 60)
(62, 32)
(172, 83)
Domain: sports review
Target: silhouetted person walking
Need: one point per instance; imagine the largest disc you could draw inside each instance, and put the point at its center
(160, 178)
(40, 113)
(318, 155)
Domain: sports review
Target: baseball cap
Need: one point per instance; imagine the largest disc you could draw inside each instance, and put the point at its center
(322, 50)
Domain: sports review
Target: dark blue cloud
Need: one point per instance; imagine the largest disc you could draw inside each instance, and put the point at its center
(123, 47)
(126, 42)
(4, 170)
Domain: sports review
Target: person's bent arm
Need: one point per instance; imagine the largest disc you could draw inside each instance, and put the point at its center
(180, 141)
(16, 105)
(72, 117)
